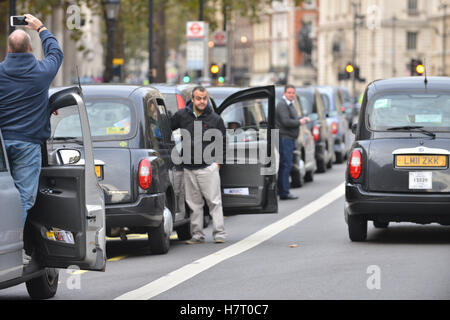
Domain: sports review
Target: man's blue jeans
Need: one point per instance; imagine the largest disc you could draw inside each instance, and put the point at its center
(25, 163)
(287, 146)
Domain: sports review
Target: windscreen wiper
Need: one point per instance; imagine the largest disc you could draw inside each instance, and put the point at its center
(411, 128)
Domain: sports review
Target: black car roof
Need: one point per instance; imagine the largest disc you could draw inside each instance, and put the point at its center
(109, 90)
(410, 84)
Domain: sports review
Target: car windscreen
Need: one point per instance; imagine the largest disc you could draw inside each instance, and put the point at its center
(428, 110)
(109, 119)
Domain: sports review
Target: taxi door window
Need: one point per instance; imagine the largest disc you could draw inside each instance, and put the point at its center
(153, 125)
(164, 121)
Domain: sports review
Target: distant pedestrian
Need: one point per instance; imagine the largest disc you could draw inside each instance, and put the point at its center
(288, 122)
(24, 106)
(202, 180)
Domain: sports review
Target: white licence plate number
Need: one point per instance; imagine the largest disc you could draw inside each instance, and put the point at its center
(421, 180)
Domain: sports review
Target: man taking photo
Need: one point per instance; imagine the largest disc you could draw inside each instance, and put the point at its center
(24, 105)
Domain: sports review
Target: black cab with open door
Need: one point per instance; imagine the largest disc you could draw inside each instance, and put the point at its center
(65, 228)
(248, 175)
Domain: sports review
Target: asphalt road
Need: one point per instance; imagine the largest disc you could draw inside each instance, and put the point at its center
(301, 253)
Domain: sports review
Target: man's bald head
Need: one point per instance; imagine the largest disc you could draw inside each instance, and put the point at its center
(19, 42)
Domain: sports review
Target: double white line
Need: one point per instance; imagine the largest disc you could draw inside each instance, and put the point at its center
(178, 276)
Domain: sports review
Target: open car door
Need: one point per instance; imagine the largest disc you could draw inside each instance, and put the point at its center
(67, 223)
(248, 175)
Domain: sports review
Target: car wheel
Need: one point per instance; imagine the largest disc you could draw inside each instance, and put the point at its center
(309, 177)
(297, 181)
(339, 157)
(357, 228)
(44, 286)
(184, 231)
(380, 225)
(330, 164)
(159, 237)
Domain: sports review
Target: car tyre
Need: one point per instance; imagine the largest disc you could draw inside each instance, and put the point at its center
(44, 286)
(339, 157)
(159, 237)
(297, 181)
(357, 228)
(309, 177)
(380, 225)
(184, 232)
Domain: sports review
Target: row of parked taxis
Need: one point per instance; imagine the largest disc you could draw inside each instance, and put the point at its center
(108, 170)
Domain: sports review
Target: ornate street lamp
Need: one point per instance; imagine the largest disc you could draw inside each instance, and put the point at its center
(111, 11)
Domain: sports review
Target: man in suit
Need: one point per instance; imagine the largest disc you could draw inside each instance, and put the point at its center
(288, 122)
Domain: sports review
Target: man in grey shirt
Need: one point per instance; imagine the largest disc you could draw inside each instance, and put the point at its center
(288, 122)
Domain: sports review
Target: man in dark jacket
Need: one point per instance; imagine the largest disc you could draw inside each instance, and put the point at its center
(288, 122)
(24, 107)
(201, 176)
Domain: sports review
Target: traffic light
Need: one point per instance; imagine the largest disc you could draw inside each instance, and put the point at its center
(186, 78)
(416, 67)
(349, 68)
(214, 70)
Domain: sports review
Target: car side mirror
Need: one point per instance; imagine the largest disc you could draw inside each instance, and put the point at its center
(68, 156)
(354, 128)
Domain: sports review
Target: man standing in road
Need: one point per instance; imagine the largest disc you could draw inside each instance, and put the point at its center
(24, 105)
(202, 180)
(288, 122)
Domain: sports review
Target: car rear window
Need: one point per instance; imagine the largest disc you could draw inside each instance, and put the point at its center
(108, 120)
(430, 111)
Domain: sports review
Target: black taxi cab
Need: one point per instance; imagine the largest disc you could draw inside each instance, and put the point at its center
(398, 169)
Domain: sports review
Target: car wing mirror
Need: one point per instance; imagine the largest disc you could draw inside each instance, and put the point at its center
(354, 128)
(68, 156)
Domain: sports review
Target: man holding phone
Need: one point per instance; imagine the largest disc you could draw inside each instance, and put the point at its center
(24, 105)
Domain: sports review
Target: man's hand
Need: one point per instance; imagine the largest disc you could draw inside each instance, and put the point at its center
(33, 22)
(305, 120)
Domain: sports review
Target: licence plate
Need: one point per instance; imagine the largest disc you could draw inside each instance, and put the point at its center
(99, 171)
(422, 161)
(421, 180)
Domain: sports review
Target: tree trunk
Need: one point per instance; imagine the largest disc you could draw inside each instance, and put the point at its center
(160, 54)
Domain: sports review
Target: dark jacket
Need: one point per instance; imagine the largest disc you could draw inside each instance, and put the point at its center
(185, 119)
(24, 84)
(287, 120)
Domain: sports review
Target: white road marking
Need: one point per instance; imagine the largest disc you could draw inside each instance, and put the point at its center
(178, 276)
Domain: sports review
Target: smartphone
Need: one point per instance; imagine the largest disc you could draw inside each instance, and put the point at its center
(17, 21)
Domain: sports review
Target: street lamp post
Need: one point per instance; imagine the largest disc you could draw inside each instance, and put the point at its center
(150, 41)
(111, 11)
(12, 12)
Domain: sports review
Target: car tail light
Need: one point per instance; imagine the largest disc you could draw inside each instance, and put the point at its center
(145, 174)
(355, 166)
(180, 102)
(334, 128)
(316, 133)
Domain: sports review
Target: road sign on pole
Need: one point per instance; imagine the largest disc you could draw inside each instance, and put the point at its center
(197, 56)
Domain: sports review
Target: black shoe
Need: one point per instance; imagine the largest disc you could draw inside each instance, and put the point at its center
(289, 197)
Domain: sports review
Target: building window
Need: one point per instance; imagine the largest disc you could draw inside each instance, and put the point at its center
(411, 41)
(413, 7)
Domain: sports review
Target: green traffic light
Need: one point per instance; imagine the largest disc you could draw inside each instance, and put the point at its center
(187, 79)
(221, 80)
